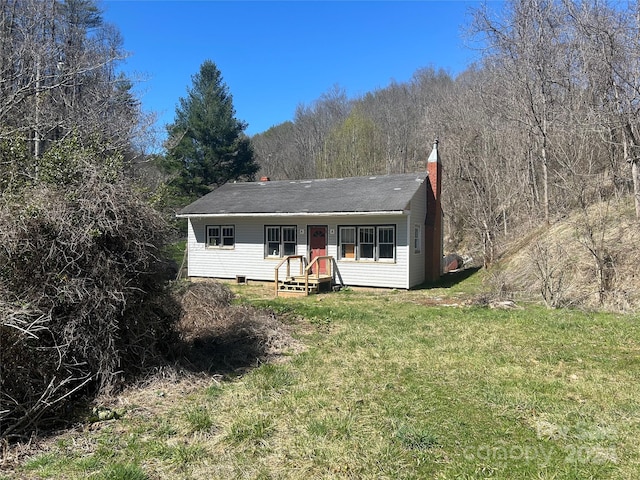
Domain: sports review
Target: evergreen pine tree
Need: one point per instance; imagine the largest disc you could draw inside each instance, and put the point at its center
(207, 146)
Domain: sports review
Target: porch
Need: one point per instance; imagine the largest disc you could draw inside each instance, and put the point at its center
(314, 277)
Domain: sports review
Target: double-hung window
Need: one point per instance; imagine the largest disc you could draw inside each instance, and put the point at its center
(367, 243)
(386, 243)
(417, 238)
(347, 237)
(221, 236)
(288, 241)
(280, 241)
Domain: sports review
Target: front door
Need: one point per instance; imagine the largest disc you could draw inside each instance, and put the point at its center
(318, 247)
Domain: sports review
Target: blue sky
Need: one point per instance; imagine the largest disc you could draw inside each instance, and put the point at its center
(276, 55)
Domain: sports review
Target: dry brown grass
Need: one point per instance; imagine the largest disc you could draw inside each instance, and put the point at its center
(566, 255)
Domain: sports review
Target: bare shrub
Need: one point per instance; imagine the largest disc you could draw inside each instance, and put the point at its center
(498, 283)
(82, 289)
(598, 231)
(549, 262)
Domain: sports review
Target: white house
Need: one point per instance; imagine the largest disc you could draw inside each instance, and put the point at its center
(380, 231)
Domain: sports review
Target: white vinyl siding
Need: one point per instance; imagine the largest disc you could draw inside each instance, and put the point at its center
(247, 258)
(417, 225)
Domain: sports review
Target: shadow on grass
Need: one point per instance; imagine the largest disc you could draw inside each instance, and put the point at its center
(450, 279)
(227, 354)
(216, 336)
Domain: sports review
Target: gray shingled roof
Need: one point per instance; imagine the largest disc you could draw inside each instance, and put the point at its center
(383, 193)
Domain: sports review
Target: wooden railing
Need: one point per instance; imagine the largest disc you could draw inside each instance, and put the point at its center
(306, 270)
(288, 259)
(316, 261)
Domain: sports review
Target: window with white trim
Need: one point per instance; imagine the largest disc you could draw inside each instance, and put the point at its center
(367, 243)
(280, 241)
(386, 243)
(220, 236)
(417, 238)
(347, 239)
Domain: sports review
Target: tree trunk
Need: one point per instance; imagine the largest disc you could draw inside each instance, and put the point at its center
(628, 144)
(636, 186)
(545, 182)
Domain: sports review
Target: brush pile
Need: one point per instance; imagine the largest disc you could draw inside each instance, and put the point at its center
(217, 336)
(82, 288)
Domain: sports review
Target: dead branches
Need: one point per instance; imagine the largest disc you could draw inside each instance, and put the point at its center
(81, 291)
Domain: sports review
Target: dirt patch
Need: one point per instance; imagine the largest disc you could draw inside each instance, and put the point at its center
(439, 302)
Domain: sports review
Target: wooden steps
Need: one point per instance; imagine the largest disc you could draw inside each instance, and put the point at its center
(297, 286)
(306, 282)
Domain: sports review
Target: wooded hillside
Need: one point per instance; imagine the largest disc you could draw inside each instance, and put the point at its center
(546, 123)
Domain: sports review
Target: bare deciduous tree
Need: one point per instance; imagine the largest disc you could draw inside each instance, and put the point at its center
(526, 47)
(313, 125)
(277, 155)
(58, 75)
(608, 38)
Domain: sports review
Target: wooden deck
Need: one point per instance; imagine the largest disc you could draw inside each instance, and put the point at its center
(300, 286)
(306, 282)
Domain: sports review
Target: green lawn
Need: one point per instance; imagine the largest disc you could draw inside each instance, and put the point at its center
(389, 387)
